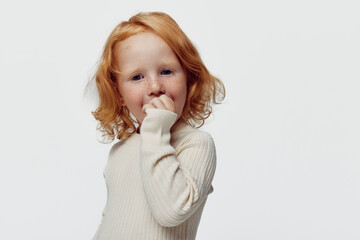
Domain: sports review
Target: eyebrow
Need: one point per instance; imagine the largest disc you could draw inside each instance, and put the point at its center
(130, 72)
(169, 64)
(164, 64)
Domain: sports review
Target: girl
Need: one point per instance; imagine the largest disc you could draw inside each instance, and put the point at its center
(154, 90)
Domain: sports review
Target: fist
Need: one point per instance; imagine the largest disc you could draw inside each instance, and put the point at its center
(162, 102)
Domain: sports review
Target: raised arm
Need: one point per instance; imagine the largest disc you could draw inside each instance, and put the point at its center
(175, 182)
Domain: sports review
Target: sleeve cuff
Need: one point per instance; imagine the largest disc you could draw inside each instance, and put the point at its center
(156, 126)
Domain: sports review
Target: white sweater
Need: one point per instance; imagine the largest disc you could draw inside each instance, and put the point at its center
(158, 181)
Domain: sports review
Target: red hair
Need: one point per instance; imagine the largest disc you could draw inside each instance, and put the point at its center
(203, 89)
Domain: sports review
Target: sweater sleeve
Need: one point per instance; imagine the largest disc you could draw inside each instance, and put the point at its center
(175, 182)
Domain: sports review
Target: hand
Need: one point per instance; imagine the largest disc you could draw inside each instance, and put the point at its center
(162, 102)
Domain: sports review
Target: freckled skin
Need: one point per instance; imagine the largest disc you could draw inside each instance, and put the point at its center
(151, 75)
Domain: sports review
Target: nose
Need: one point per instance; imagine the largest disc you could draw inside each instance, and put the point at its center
(155, 87)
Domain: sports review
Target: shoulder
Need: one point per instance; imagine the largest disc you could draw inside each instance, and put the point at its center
(115, 147)
(186, 135)
(194, 146)
(131, 142)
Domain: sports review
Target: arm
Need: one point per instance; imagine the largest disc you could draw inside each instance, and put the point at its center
(174, 185)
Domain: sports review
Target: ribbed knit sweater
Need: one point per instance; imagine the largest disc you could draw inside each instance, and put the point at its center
(158, 181)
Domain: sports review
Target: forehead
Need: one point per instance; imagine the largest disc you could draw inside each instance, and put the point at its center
(140, 38)
(141, 45)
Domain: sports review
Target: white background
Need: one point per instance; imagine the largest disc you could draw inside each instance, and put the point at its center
(287, 135)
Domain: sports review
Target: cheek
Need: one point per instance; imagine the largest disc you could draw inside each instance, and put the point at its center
(179, 87)
(180, 94)
(183, 90)
(139, 90)
(134, 94)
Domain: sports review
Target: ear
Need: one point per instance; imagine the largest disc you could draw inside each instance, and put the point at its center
(122, 102)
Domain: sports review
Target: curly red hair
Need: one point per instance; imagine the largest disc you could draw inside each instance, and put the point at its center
(203, 89)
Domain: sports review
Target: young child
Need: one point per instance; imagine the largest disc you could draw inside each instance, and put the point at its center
(154, 93)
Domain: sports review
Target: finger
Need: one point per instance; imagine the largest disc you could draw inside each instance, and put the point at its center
(147, 106)
(168, 102)
(158, 103)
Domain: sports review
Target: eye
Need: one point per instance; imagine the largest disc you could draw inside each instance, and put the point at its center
(137, 77)
(166, 72)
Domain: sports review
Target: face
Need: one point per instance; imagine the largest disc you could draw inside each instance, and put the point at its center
(149, 69)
